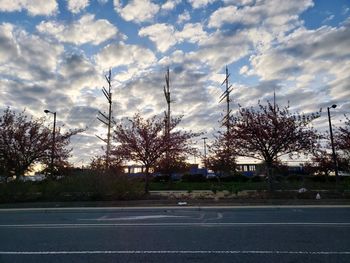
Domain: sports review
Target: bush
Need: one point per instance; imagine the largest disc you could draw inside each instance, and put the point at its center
(257, 178)
(318, 178)
(235, 178)
(82, 187)
(193, 178)
(161, 178)
(294, 178)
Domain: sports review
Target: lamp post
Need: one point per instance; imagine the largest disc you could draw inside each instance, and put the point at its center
(205, 154)
(53, 139)
(332, 143)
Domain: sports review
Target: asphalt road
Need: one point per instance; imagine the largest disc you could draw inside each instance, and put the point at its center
(236, 234)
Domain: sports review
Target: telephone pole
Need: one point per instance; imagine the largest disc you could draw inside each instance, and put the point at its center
(226, 120)
(167, 117)
(107, 119)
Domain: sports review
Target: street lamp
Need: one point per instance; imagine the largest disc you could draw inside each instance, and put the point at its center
(53, 139)
(332, 143)
(205, 154)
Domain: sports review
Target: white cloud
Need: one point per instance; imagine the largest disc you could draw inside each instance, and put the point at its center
(244, 70)
(215, 48)
(115, 55)
(85, 30)
(200, 3)
(163, 35)
(239, 2)
(166, 36)
(26, 56)
(185, 16)
(137, 10)
(192, 33)
(170, 4)
(33, 7)
(273, 11)
(75, 6)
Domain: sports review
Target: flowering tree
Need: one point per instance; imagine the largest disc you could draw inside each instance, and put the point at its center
(25, 141)
(143, 140)
(98, 164)
(342, 139)
(269, 132)
(222, 158)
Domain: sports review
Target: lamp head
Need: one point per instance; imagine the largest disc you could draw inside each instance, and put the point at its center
(47, 111)
(334, 106)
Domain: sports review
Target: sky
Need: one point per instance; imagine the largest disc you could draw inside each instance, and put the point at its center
(54, 55)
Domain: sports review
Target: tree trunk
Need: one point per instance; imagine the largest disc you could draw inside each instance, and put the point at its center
(269, 176)
(19, 175)
(147, 180)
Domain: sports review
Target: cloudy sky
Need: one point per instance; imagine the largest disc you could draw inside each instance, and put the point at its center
(54, 54)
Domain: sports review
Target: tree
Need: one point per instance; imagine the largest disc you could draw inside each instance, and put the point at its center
(222, 159)
(98, 164)
(269, 132)
(143, 140)
(25, 141)
(342, 139)
(172, 163)
(322, 163)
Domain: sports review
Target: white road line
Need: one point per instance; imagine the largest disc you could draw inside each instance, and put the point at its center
(195, 207)
(105, 218)
(170, 224)
(174, 252)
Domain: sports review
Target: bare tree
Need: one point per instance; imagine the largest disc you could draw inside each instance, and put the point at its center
(269, 132)
(143, 140)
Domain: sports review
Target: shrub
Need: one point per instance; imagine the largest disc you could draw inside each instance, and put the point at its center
(257, 178)
(82, 187)
(193, 178)
(294, 178)
(235, 178)
(161, 178)
(318, 178)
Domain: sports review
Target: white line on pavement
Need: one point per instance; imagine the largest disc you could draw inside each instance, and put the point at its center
(104, 218)
(196, 207)
(172, 224)
(174, 252)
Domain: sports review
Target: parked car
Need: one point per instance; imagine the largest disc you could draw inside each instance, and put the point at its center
(343, 173)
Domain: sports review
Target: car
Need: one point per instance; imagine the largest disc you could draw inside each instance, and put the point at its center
(343, 173)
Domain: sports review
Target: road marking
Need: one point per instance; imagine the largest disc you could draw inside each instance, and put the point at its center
(169, 224)
(194, 207)
(174, 252)
(105, 218)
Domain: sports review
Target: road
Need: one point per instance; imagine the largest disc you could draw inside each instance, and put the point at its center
(173, 234)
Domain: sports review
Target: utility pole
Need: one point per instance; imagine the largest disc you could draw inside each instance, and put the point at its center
(107, 120)
(335, 163)
(167, 117)
(53, 141)
(205, 154)
(226, 95)
(226, 119)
